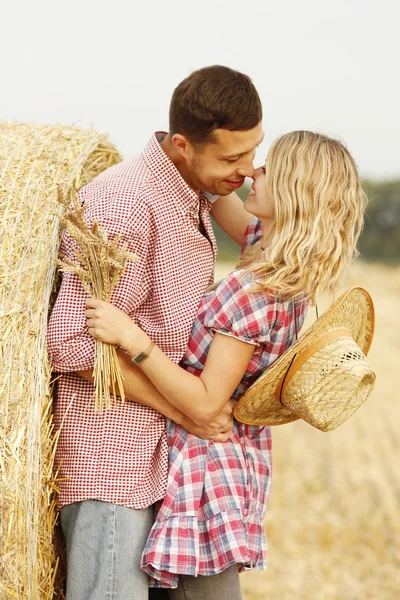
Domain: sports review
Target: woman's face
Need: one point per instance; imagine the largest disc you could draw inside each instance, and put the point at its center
(258, 203)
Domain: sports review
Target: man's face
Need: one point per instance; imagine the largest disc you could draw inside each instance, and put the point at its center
(220, 167)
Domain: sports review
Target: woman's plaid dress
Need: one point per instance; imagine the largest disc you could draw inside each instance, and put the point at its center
(213, 513)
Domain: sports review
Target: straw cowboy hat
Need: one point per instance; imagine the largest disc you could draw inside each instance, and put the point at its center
(324, 376)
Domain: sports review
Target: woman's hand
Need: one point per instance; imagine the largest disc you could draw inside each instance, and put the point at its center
(111, 325)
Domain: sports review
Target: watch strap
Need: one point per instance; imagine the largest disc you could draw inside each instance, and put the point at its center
(142, 355)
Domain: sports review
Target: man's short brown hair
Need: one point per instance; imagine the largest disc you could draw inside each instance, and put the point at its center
(212, 98)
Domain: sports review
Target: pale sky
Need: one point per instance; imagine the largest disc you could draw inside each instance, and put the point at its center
(332, 67)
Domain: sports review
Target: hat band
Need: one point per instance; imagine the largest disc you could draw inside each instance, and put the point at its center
(299, 359)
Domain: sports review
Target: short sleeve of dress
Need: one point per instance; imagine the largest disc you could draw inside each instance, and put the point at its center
(235, 312)
(253, 234)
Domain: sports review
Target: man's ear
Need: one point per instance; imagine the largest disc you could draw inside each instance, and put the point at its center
(182, 145)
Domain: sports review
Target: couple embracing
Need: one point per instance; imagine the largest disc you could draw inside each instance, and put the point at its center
(167, 489)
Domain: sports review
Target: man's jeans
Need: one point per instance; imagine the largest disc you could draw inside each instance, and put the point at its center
(104, 546)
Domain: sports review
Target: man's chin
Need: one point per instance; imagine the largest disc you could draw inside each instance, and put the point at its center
(224, 192)
(221, 190)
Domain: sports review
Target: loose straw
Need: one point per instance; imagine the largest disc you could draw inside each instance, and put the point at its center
(35, 163)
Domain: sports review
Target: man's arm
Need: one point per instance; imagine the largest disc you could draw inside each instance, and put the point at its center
(229, 213)
(70, 347)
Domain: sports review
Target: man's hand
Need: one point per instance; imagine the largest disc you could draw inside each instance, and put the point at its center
(219, 430)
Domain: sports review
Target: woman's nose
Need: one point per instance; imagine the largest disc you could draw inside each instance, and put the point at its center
(257, 172)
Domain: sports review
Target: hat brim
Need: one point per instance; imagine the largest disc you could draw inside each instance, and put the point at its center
(353, 310)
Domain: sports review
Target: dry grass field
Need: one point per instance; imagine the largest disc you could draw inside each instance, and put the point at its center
(333, 521)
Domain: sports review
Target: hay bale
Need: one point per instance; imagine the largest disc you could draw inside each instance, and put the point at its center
(35, 163)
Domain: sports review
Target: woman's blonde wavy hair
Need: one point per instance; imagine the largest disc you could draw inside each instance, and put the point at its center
(313, 183)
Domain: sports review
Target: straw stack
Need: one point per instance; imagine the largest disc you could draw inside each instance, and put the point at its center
(36, 162)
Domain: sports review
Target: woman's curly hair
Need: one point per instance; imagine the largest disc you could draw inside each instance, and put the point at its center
(319, 203)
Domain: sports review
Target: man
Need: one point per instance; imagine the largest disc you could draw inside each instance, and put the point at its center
(114, 464)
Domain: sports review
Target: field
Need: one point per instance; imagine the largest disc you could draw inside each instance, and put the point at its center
(333, 520)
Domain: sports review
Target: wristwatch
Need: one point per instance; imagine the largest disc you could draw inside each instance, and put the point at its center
(141, 356)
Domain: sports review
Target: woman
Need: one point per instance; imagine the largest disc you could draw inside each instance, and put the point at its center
(308, 205)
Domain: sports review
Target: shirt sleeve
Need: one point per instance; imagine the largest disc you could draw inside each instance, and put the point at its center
(253, 234)
(238, 312)
(70, 346)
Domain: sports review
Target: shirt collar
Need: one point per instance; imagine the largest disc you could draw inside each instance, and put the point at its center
(210, 197)
(167, 174)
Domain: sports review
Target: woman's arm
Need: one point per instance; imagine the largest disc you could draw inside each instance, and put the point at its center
(139, 388)
(200, 398)
(229, 213)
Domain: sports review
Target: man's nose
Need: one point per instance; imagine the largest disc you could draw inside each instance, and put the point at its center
(246, 168)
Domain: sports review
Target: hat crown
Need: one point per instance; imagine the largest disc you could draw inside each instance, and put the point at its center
(331, 384)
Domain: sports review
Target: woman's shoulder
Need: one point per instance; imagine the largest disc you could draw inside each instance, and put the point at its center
(239, 285)
(235, 281)
(237, 307)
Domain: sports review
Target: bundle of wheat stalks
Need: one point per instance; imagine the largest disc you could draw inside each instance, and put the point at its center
(36, 162)
(99, 264)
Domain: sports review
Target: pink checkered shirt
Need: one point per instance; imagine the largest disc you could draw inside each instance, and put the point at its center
(121, 454)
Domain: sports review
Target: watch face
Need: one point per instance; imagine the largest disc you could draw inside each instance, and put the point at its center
(138, 358)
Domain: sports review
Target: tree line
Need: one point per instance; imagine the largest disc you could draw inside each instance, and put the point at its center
(380, 239)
